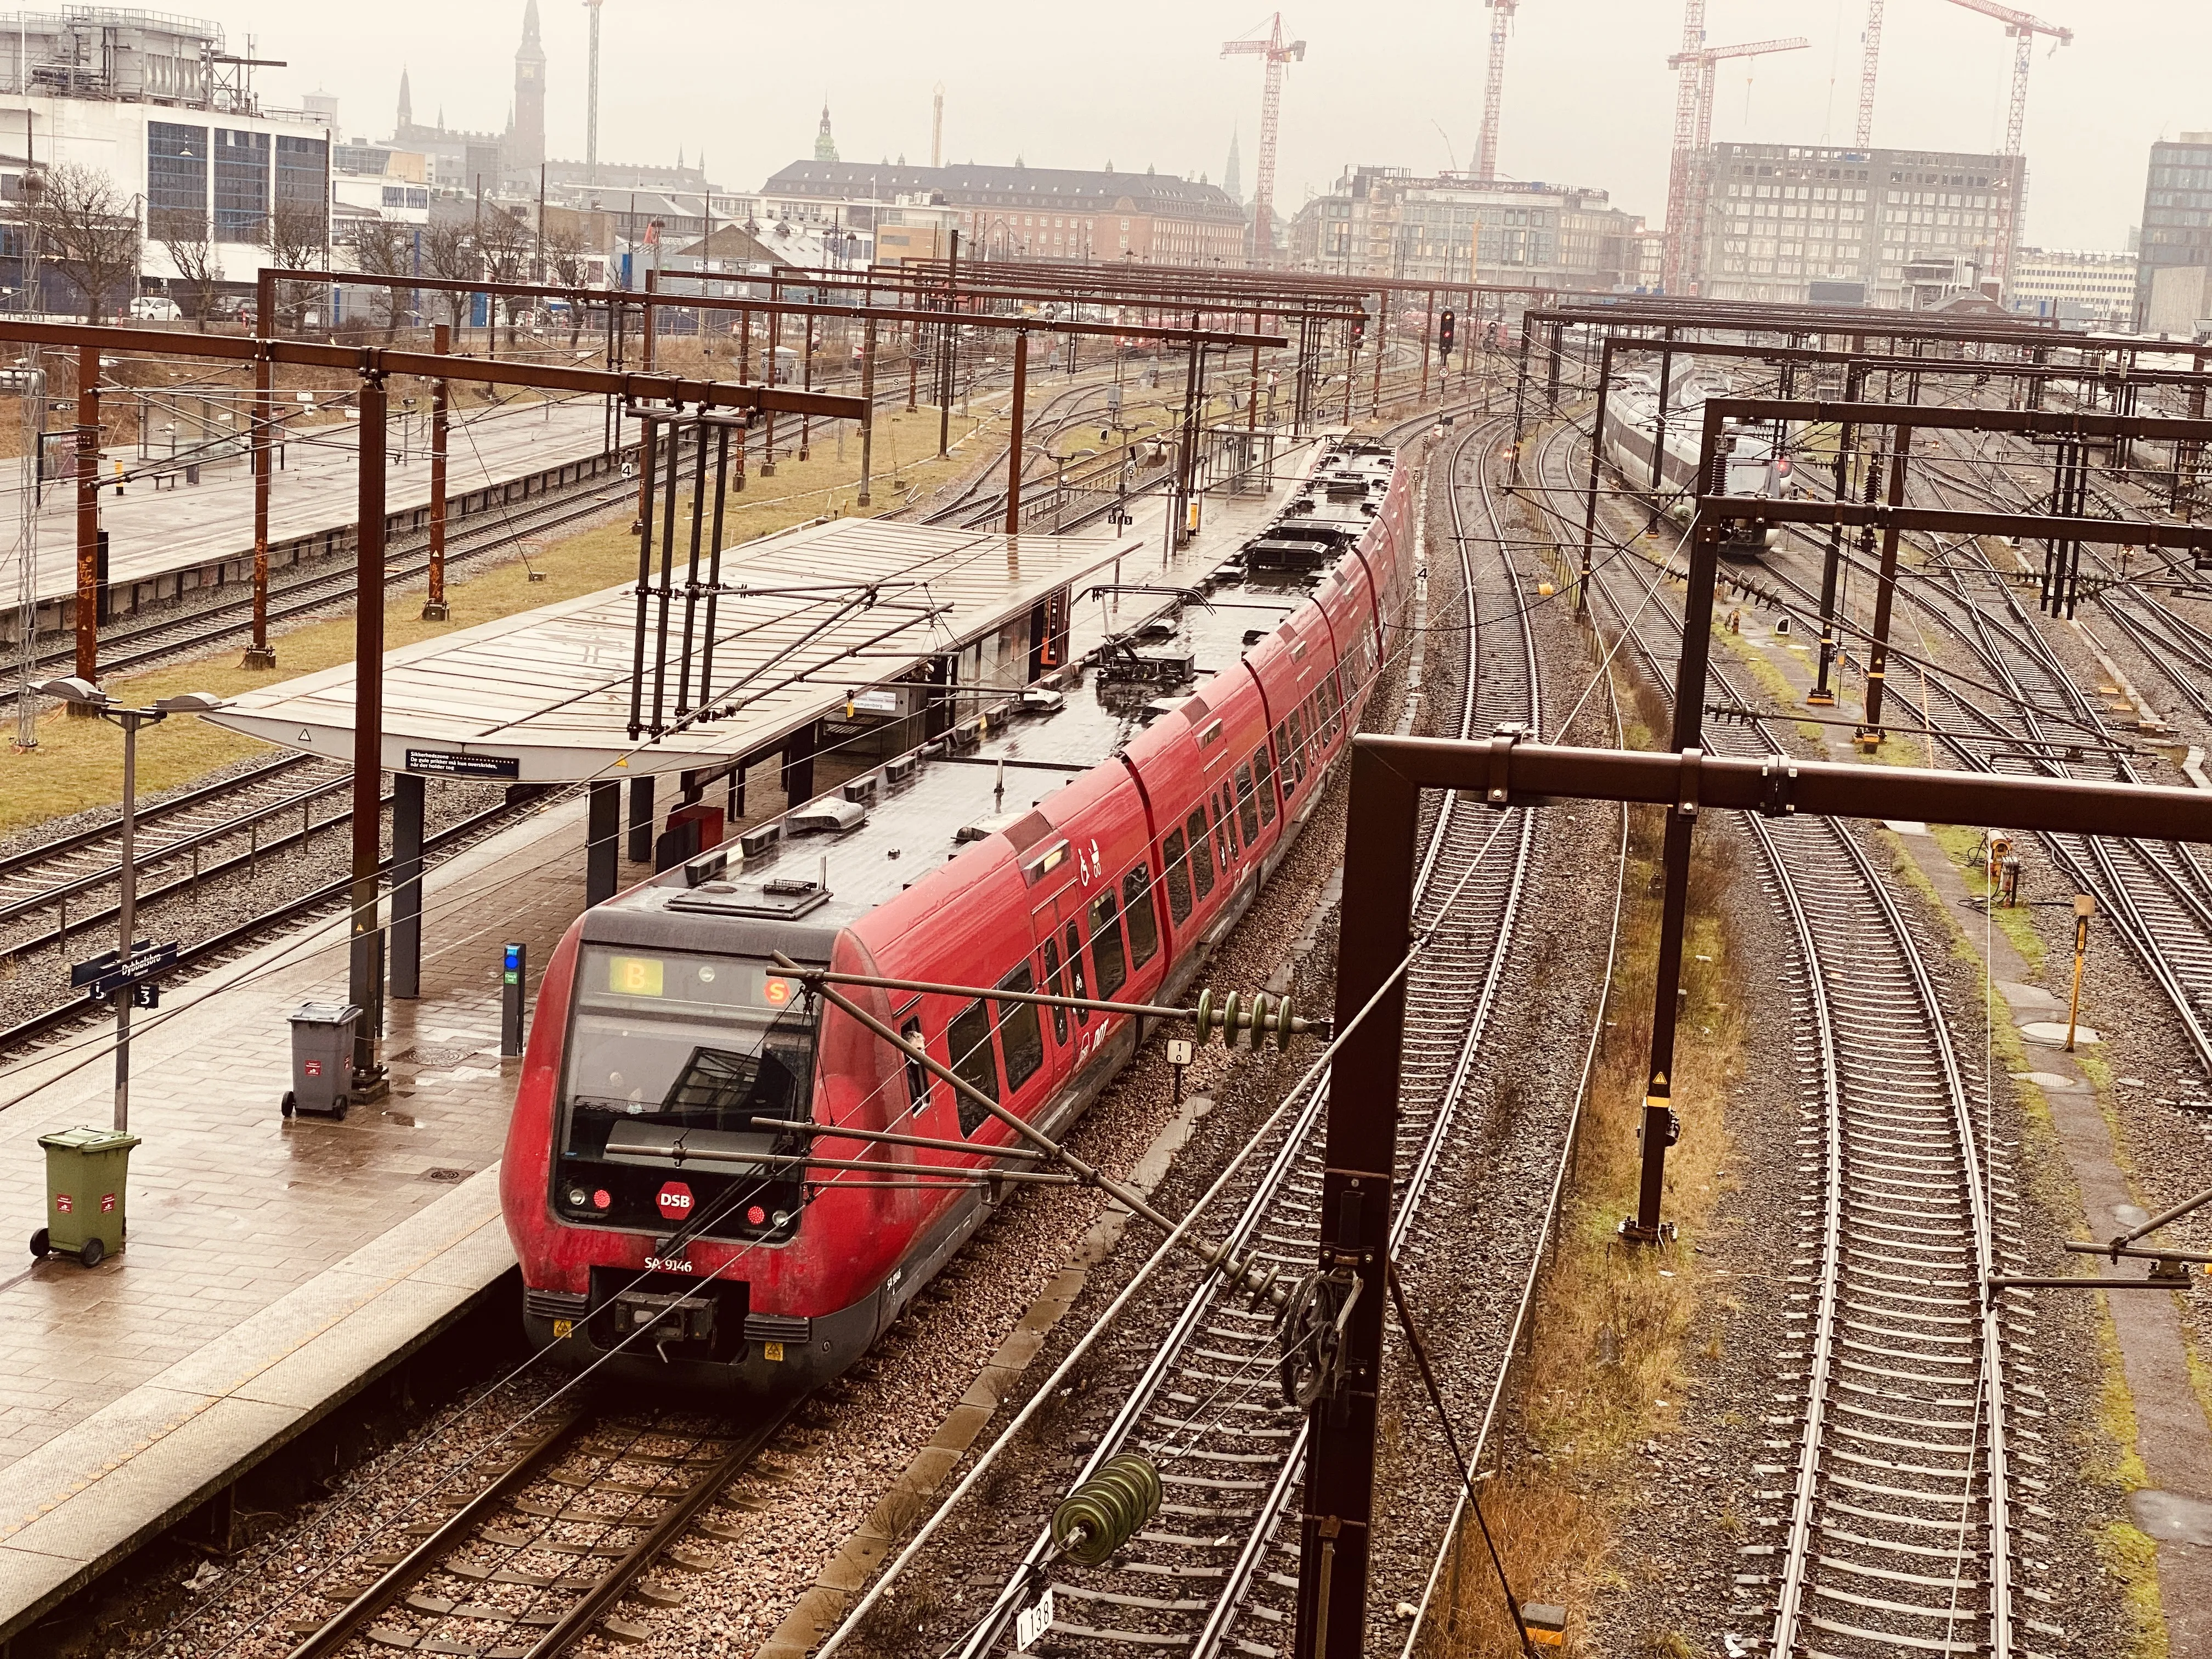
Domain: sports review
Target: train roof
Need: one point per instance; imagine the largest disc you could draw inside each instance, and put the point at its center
(955, 796)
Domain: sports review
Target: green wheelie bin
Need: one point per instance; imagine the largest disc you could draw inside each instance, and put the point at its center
(85, 1171)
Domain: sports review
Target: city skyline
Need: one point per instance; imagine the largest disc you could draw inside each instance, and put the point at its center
(1154, 91)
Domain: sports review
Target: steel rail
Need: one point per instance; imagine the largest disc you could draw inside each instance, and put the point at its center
(242, 932)
(1836, 1314)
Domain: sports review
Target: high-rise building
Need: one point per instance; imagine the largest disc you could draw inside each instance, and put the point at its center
(526, 141)
(2177, 229)
(1780, 219)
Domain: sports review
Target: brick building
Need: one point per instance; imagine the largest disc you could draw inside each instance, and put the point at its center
(1044, 213)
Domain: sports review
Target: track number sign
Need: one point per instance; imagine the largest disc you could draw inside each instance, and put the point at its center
(1031, 1623)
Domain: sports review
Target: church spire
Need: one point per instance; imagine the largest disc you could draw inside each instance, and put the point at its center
(406, 102)
(825, 147)
(1232, 176)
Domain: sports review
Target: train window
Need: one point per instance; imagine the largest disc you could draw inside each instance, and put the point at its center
(1247, 806)
(917, 1074)
(1224, 825)
(1265, 776)
(1075, 972)
(1109, 964)
(1201, 852)
(1283, 746)
(1020, 1036)
(1058, 987)
(1143, 920)
(969, 1038)
(1178, 877)
(1298, 752)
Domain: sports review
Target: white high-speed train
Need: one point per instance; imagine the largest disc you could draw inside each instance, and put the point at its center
(1755, 466)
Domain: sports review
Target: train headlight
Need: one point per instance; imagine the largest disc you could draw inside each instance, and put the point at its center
(576, 1196)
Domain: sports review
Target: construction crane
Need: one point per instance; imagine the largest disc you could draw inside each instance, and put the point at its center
(1686, 212)
(2023, 30)
(1493, 86)
(1869, 60)
(1276, 54)
(1676, 270)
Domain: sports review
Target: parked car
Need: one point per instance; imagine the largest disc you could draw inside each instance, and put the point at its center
(155, 308)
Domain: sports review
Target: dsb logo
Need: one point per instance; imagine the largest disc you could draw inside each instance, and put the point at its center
(675, 1200)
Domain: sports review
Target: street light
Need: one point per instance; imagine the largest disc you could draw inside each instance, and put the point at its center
(88, 695)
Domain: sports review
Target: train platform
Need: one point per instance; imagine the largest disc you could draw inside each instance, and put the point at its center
(276, 1268)
(161, 525)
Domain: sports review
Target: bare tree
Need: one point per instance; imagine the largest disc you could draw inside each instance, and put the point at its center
(88, 230)
(505, 244)
(296, 237)
(450, 253)
(381, 247)
(199, 268)
(566, 264)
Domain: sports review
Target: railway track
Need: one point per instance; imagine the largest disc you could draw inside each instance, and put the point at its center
(126, 646)
(533, 1555)
(2157, 893)
(215, 946)
(1213, 1572)
(1890, 1498)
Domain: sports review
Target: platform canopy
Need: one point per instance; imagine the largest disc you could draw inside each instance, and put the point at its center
(805, 617)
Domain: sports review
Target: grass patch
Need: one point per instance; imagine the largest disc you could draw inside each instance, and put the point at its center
(78, 762)
(2130, 1555)
(1963, 846)
(1771, 678)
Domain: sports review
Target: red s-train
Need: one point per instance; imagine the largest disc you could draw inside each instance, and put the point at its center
(663, 1030)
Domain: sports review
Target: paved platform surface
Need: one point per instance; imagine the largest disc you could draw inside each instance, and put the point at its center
(153, 530)
(274, 1266)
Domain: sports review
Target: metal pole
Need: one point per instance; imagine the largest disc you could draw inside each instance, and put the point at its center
(1884, 589)
(1659, 1122)
(434, 609)
(945, 346)
(409, 791)
(868, 419)
(1821, 696)
(87, 518)
(1334, 1532)
(260, 654)
(1597, 456)
(365, 989)
(127, 916)
(1017, 415)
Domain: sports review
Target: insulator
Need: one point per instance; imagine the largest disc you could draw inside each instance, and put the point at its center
(1102, 1514)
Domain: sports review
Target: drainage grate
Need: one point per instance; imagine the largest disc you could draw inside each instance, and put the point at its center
(448, 1176)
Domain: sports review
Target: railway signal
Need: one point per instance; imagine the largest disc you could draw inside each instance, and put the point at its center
(1447, 325)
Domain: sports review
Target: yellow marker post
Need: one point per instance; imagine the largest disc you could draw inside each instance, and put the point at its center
(1545, 1623)
(2085, 906)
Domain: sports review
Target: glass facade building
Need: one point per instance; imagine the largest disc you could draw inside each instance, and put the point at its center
(2177, 215)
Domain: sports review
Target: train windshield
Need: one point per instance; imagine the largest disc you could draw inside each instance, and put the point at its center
(669, 1048)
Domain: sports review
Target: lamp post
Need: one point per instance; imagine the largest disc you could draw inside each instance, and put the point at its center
(94, 701)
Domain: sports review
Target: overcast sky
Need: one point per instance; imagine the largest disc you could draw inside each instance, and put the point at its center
(1589, 98)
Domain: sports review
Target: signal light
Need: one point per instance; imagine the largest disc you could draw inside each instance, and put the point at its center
(1446, 324)
(1359, 331)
